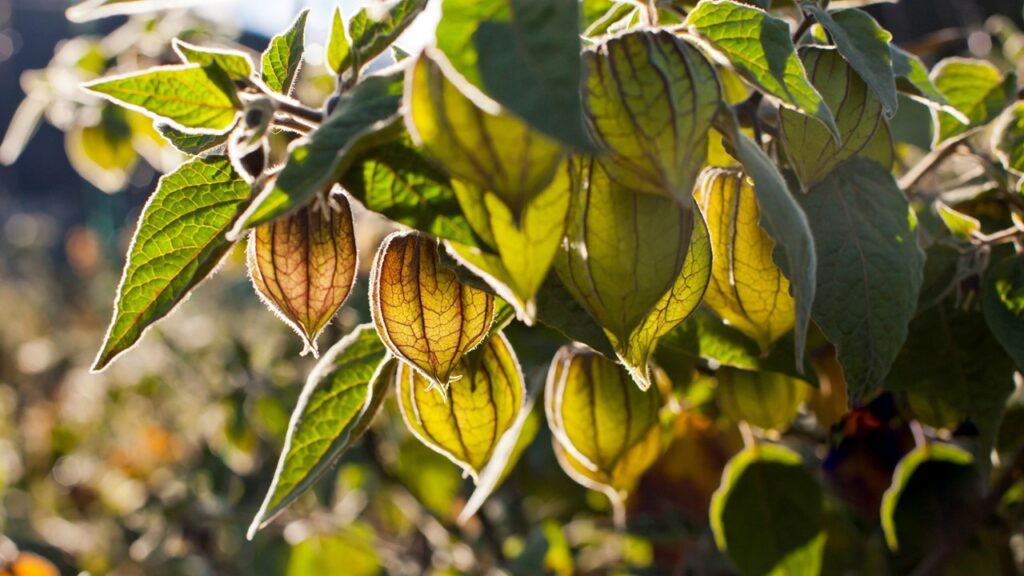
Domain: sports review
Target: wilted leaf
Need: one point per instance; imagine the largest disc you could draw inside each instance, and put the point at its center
(343, 393)
(869, 272)
(191, 98)
(338, 44)
(783, 220)
(366, 114)
(397, 181)
(639, 263)
(467, 424)
(974, 87)
(517, 255)
(180, 239)
(283, 56)
(865, 45)
(372, 31)
(476, 141)
(422, 312)
(191, 144)
(758, 46)
(650, 98)
(810, 148)
(767, 400)
(605, 428)
(523, 54)
(304, 266)
(746, 288)
(767, 515)
(1008, 138)
(236, 64)
(1003, 303)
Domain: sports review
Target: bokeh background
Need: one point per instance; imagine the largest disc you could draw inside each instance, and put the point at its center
(157, 465)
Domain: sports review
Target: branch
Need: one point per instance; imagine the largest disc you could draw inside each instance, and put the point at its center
(933, 160)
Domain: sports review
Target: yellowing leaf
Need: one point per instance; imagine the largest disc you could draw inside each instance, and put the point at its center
(474, 139)
(304, 265)
(639, 263)
(180, 239)
(517, 255)
(283, 56)
(810, 147)
(423, 313)
(747, 289)
(767, 400)
(605, 429)
(192, 98)
(650, 99)
(482, 405)
(758, 46)
(343, 393)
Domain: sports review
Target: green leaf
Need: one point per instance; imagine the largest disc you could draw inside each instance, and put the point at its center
(747, 289)
(865, 45)
(768, 514)
(372, 33)
(191, 144)
(423, 313)
(650, 98)
(338, 45)
(283, 56)
(959, 224)
(759, 47)
(974, 87)
(705, 336)
(952, 359)
(236, 64)
(1003, 303)
(639, 263)
(516, 256)
(364, 116)
(869, 269)
(767, 400)
(397, 181)
(474, 140)
(810, 148)
(912, 79)
(1008, 138)
(469, 424)
(605, 427)
(525, 55)
(192, 98)
(912, 518)
(343, 393)
(180, 239)
(784, 221)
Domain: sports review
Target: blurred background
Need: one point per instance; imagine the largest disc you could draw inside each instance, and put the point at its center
(157, 465)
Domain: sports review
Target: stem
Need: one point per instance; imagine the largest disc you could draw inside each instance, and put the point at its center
(958, 536)
(933, 160)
